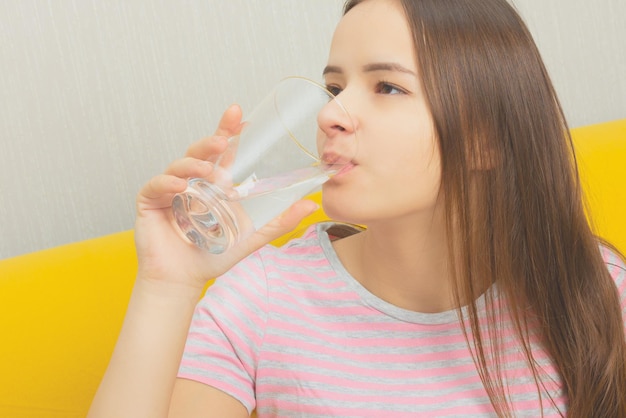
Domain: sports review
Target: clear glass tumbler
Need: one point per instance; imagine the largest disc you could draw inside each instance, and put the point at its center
(282, 154)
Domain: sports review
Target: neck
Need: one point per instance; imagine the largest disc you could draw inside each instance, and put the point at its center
(403, 263)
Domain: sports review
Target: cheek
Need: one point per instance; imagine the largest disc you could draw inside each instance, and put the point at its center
(417, 178)
(400, 173)
(412, 169)
(407, 184)
(414, 153)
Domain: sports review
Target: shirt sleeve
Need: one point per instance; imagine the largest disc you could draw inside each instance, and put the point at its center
(227, 330)
(617, 269)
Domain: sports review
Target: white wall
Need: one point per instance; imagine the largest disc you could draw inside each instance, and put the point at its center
(584, 47)
(96, 97)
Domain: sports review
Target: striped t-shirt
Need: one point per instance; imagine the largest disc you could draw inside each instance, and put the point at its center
(289, 332)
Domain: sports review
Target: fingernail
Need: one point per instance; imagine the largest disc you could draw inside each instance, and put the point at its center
(314, 206)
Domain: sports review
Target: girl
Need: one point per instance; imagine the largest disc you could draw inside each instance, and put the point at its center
(476, 289)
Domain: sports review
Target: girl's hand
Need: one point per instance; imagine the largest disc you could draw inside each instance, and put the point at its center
(164, 255)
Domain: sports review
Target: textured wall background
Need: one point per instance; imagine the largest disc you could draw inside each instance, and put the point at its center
(96, 97)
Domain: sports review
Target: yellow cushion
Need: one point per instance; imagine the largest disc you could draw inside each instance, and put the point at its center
(61, 309)
(60, 313)
(601, 156)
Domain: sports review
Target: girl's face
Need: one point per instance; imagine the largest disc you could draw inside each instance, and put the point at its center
(372, 68)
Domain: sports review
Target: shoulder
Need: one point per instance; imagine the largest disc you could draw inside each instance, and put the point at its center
(301, 258)
(615, 262)
(314, 244)
(616, 265)
(250, 275)
(306, 270)
(304, 264)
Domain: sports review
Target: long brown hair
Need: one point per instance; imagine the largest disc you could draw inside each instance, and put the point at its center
(514, 205)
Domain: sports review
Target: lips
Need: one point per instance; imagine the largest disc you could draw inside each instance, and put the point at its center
(345, 168)
(336, 170)
(333, 158)
(335, 163)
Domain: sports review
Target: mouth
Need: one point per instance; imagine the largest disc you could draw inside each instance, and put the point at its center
(336, 170)
(336, 164)
(335, 159)
(345, 169)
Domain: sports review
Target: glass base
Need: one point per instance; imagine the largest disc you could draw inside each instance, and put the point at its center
(203, 215)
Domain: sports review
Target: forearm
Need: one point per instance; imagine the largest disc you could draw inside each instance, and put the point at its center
(141, 374)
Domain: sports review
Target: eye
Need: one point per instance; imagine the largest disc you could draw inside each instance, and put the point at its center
(384, 87)
(334, 89)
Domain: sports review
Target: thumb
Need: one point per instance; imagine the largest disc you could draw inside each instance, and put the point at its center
(282, 224)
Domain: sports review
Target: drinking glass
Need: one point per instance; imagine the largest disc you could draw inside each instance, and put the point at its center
(281, 155)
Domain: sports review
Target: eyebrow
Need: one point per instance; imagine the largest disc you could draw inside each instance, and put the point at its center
(377, 66)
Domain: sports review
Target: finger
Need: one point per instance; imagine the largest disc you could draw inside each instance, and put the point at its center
(230, 123)
(281, 225)
(189, 167)
(210, 148)
(159, 190)
(207, 148)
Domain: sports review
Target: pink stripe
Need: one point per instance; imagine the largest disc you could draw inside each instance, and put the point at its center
(319, 285)
(234, 391)
(324, 344)
(411, 398)
(350, 351)
(380, 410)
(341, 385)
(378, 322)
(347, 364)
(394, 381)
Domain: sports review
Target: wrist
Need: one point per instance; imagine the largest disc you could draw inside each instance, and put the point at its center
(167, 289)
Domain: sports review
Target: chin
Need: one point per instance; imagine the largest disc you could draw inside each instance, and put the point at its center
(340, 206)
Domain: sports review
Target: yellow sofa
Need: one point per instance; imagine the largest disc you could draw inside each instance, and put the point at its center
(61, 309)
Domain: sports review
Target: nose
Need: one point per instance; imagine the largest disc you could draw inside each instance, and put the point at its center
(337, 143)
(334, 119)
